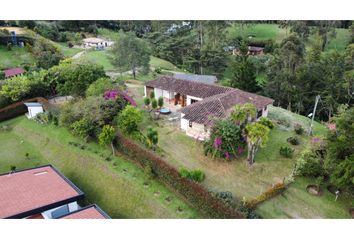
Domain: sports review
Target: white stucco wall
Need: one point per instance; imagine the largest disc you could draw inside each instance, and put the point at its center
(158, 92)
(197, 131)
(189, 99)
(184, 122)
(33, 111)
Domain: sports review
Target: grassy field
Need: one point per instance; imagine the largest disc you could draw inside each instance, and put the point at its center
(244, 182)
(14, 58)
(259, 31)
(67, 52)
(116, 185)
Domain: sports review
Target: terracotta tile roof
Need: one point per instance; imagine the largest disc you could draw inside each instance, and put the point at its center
(220, 106)
(186, 87)
(28, 192)
(13, 72)
(89, 212)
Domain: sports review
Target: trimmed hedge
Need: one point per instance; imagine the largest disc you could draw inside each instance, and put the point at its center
(195, 193)
(272, 192)
(19, 108)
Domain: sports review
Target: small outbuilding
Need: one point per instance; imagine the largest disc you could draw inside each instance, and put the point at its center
(34, 108)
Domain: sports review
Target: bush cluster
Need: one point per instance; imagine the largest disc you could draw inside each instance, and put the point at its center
(196, 194)
(286, 151)
(309, 164)
(298, 129)
(293, 140)
(266, 122)
(195, 175)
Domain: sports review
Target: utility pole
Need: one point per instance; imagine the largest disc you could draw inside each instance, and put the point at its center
(313, 114)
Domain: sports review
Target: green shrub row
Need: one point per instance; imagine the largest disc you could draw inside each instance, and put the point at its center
(271, 192)
(195, 193)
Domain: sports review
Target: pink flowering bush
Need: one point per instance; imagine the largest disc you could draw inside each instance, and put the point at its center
(114, 94)
(225, 140)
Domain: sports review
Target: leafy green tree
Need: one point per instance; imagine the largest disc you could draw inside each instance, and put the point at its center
(97, 110)
(74, 77)
(129, 119)
(241, 114)
(244, 71)
(106, 137)
(26, 86)
(326, 30)
(82, 128)
(27, 23)
(130, 53)
(98, 87)
(340, 151)
(300, 28)
(45, 53)
(153, 137)
(257, 136)
(281, 77)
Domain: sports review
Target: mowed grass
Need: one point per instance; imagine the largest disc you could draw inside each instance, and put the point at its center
(66, 51)
(296, 202)
(99, 57)
(117, 185)
(15, 57)
(258, 31)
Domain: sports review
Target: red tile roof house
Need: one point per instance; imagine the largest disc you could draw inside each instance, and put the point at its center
(202, 103)
(12, 72)
(42, 193)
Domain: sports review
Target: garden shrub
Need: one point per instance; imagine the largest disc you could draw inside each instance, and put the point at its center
(298, 129)
(225, 140)
(286, 152)
(266, 122)
(293, 140)
(129, 119)
(195, 175)
(309, 164)
(41, 118)
(195, 193)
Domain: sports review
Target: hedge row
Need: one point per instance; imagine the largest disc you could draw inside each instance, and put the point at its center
(19, 108)
(271, 192)
(195, 193)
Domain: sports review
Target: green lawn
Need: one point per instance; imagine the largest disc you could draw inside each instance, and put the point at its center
(99, 57)
(296, 202)
(258, 31)
(67, 52)
(107, 33)
(116, 185)
(165, 65)
(14, 58)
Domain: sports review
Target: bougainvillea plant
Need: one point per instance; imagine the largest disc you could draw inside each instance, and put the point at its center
(114, 93)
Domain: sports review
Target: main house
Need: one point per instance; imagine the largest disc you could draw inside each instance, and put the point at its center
(43, 193)
(202, 103)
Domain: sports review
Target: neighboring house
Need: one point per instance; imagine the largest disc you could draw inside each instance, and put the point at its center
(40, 193)
(89, 212)
(34, 108)
(203, 103)
(12, 72)
(208, 79)
(252, 50)
(98, 43)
